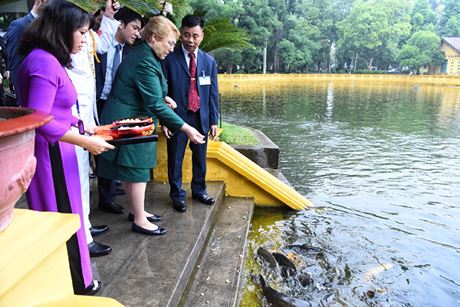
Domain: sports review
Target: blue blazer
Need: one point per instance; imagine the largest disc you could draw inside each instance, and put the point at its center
(178, 76)
(13, 38)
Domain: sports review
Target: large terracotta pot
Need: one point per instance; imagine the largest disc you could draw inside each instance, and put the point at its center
(17, 161)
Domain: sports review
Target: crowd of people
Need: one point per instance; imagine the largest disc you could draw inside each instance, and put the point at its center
(93, 69)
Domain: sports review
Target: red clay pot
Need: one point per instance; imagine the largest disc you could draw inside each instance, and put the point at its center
(17, 161)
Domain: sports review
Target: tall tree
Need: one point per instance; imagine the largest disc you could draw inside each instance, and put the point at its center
(299, 45)
(423, 16)
(258, 19)
(364, 30)
(374, 27)
(449, 22)
(422, 49)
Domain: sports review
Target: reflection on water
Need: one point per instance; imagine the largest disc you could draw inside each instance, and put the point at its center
(381, 164)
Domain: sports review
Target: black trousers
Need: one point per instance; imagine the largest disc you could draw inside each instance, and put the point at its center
(105, 187)
(176, 150)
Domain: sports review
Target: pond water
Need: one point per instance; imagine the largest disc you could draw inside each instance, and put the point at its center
(381, 163)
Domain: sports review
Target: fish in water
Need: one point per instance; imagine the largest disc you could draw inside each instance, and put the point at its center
(305, 279)
(305, 249)
(284, 261)
(267, 256)
(276, 298)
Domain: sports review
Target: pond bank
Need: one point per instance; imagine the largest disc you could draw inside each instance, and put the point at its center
(423, 79)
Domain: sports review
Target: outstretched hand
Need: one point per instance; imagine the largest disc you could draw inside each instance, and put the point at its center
(193, 134)
(111, 7)
(166, 132)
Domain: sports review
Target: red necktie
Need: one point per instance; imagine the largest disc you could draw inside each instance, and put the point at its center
(193, 97)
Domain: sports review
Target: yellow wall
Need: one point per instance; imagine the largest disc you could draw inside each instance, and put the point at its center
(34, 264)
(384, 78)
(453, 60)
(242, 177)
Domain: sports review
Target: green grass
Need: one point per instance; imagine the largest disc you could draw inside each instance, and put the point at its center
(237, 135)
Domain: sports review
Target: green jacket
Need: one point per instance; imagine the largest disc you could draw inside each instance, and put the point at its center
(139, 89)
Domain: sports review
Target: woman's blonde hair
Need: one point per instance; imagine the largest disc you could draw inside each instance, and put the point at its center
(159, 27)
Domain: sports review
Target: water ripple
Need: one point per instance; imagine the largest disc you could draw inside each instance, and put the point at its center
(381, 163)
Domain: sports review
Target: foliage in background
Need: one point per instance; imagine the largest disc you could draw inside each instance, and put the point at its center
(143, 7)
(316, 35)
(237, 135)
(89, 5)
(221, 33)
(328, 35)
(449, 21)
(421, 49)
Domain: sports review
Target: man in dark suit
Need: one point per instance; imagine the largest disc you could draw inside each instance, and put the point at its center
(3, 69)
(192, 83)
(13, 38)
(126, 34)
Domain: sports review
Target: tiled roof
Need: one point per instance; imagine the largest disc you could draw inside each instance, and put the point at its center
(453, 42)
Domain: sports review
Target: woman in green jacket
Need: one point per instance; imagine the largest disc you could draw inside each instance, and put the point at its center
(140, 89)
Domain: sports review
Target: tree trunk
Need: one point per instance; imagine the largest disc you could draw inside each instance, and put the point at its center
(264, 65)
(328, 64)
(369, 63)
(276, 58)
(353, 63)
(229, 69)
(356, 61)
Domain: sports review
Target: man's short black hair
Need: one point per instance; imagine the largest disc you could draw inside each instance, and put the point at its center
(191, 21)
(127, 15)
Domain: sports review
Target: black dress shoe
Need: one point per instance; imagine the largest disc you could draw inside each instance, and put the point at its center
(205, 199)
(112, 207)
(157, 232)
(97, 230)
(98, 249)
(152, 219)
(179, 205)
(93, 287)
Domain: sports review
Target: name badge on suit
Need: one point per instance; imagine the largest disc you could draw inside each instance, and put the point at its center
(205, 80)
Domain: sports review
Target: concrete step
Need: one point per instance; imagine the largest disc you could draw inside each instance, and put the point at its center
(217, 275)
(153, 271)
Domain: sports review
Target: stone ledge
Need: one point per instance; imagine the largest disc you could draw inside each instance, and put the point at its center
(265, 154)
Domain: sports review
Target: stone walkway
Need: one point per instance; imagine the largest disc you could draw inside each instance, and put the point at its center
(155, 271)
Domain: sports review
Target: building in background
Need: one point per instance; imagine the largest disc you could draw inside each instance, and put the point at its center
(451, 48)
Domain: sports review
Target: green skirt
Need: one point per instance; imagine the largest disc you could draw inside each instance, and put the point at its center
(110, 170)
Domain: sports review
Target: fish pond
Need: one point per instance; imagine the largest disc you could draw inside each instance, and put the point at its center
(381, 163)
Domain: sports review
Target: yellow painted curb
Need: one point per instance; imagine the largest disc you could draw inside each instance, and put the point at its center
(231, 158)
(242, 177)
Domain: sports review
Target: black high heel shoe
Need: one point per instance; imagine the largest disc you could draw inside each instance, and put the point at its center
(157, 232)
(152, 219)
(93, 287)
